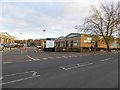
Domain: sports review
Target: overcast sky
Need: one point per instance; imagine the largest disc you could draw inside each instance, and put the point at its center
(31, 17)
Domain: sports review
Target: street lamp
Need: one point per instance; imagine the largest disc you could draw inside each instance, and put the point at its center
(20, 36)
(43, 39)
(43, 33)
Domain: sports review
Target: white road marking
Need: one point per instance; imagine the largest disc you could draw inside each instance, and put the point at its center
(64, 57)
(75, 66)
(32, 58)
(58, 57)
(105, 59)
(7, 62)
(44, 58)
(18, 73)
(28, 60)
(36, 59)
(63, 68)
(69, 65)
(51, 57)
(69, 56)
(33, 76)
(18, 80)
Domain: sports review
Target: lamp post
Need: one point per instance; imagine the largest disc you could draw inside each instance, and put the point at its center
(43, 33)
(20, 37)
(43, 39)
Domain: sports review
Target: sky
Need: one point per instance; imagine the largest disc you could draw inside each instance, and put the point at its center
(26, 19)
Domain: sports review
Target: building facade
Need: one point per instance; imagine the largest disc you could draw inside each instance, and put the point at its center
(79, 42)
(5, 38)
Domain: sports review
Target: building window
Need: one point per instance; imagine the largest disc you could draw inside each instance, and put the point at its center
(58, 44)
(9, 41)
(76, 43)
(5, 40)
(71, 43)
(61, 44)
(66, 43)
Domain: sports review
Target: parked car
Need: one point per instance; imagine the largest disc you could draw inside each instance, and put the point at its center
(1, 47)
(19, 45)
(39, 47)
(7, 45)
(12, 45)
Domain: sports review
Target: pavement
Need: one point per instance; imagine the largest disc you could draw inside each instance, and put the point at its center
(31, 68)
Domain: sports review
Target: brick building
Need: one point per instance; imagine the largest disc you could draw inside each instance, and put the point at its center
(79, 42)
(5, 38)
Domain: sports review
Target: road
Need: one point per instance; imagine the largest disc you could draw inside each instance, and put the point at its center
(35, 69)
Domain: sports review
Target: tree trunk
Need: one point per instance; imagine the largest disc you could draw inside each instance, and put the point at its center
(108, 47)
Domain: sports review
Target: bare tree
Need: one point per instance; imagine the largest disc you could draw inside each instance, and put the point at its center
(103, 21)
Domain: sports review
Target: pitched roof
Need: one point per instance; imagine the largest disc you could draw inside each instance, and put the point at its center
(4, 33)
(73, 35)
(61, 37)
